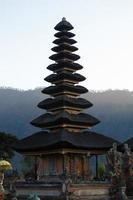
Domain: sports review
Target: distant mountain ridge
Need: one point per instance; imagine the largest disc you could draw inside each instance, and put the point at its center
(114, 108)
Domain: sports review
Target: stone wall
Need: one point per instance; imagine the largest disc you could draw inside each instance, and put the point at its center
(92, 191)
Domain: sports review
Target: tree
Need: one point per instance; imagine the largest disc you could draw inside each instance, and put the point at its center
(6, 143)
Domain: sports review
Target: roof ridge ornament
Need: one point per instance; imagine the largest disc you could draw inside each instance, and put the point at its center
(63, 19)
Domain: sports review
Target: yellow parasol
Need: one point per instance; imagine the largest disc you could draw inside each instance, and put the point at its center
(5, 165)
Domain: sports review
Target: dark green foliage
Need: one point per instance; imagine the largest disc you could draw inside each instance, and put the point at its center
(28, 167)
(6, 142)
(28, 163)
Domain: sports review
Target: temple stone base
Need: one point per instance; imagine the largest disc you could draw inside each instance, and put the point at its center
(54, 191)
(91, 191)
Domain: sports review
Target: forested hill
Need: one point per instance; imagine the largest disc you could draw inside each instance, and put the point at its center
(113, 108)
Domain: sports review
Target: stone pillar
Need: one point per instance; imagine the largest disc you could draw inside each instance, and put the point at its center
(59, 164)
(65, 164)
(89, 170)
(85, 167)
(96, 156)
(72, 164)
(35, 167)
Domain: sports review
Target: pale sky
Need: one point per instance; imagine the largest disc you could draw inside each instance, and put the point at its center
(104, 32)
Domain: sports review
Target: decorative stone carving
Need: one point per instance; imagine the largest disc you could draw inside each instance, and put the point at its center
(115, 163)
(128, 169)
(66, 191)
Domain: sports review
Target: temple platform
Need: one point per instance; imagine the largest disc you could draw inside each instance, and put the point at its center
(90, 191)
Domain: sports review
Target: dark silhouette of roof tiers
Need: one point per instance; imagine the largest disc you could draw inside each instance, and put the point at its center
(45, 140)
(64, 124)
(64, 90)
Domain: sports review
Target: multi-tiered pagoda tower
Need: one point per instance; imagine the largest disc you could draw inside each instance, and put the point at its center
(65, 142)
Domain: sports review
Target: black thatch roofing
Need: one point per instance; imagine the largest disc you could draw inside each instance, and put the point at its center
(64, 55)
(48, 120)
(53, 78)
(44, 140)
(51, 103)
(64, 88)
(64, 39)
(65, 65)
(63, 25)
(64, 47)
(64, 33)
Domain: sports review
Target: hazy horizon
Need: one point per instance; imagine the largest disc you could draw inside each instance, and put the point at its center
(41, 87)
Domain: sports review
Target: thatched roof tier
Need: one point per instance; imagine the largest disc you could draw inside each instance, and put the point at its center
(64, 65)
(64, 39)
(64, 89)
(64, 101)
(44, 140)
(64, 118)
(63, 26)
(64, 55)
(64, 47)
(64, 76)
(64, 33)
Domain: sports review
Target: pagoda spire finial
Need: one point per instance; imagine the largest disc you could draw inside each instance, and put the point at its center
(63, 19)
